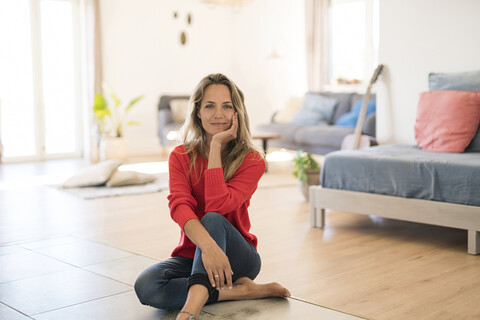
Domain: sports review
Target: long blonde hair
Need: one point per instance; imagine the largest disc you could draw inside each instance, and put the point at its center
(195, 137)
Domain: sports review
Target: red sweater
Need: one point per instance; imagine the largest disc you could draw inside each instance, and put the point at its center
(191, 198)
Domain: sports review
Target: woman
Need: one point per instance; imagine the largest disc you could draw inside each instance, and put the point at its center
(212, 178)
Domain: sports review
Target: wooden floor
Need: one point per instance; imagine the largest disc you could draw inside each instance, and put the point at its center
(371, 267)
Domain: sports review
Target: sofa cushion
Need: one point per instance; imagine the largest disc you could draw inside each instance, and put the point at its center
(344, 103)
(285, 130)
(350, 118)
(315, 110)
(462, 81)
(324, 135)
(286, 114)
(447, 120)
(179, 108)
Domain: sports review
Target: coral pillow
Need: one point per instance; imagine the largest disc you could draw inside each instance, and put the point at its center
(447, 120)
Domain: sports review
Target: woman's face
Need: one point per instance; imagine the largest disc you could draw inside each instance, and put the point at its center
(216, 109)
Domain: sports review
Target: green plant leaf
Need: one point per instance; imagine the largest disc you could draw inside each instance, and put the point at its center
(100, 107)
(133, 102)
(301, 162)
(116, 101)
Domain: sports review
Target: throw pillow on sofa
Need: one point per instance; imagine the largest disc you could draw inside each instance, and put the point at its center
(179, 108)
(349, 119)
(461, 81)
(447, 120)
(315, 109)
(286, 114)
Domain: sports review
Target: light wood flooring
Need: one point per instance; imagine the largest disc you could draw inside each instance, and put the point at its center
(367, 266)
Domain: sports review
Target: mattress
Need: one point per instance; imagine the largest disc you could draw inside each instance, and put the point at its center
(405, 171)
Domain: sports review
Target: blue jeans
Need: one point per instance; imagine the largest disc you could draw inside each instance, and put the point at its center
(165, 284)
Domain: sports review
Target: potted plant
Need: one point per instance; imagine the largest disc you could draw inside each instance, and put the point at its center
(307, 170)
(111, 122)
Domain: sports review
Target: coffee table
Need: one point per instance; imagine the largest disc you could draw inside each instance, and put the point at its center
(265, 137)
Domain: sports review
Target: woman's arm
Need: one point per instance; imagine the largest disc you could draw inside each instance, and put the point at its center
(182, 204)
(218, 141)
(224, 197)
(214, 259)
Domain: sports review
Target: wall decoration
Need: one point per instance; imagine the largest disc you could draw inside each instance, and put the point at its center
(188, 21)
(183, 38)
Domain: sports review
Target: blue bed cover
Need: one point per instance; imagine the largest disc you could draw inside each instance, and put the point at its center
(405, 171)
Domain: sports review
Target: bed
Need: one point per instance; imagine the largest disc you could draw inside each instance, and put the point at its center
(405, 183)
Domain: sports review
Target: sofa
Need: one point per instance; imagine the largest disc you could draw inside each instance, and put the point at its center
(323, 136)
(319, 137)
(434, 182)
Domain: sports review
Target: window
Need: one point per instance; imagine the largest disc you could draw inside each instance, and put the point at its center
(39, 79)
(353, 40)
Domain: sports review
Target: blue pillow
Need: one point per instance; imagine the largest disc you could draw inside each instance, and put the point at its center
(315, 110)
(462, 81)
(349, 119)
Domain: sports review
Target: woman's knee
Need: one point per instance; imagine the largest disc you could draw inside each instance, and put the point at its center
(161, 285)
(150, 292)
(213, 219)
(145, 286)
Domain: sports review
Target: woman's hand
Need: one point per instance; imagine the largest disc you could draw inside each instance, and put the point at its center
(218, 267)
(227, 135)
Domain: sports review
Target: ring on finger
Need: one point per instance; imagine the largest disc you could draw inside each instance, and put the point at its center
(216, 276)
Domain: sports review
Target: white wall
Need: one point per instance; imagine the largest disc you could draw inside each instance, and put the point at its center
(264, 27)
(142, 55)
(418, 37)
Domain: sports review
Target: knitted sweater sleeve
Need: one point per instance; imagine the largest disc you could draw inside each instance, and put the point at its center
(180, 200)
(224, 197)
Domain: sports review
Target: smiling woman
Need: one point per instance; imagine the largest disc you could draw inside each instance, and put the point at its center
(211, 180)
(216, 111)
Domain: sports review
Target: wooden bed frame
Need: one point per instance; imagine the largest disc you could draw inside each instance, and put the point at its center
(407, 209)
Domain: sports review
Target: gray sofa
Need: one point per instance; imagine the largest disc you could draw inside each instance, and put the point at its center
(323, 138)
(319, 139)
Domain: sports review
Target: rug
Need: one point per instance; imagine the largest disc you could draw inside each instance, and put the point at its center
(88, 193)
(278, 175)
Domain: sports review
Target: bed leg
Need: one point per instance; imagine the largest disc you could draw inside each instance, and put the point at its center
(473, 242)
(317, 218)
(317, 215)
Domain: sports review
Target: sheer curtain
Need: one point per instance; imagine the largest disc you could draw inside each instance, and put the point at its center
(317, 42)
(92, 51)
(92, 46)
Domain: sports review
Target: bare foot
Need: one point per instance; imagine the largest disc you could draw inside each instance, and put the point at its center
(245, 288)
(185, 316)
